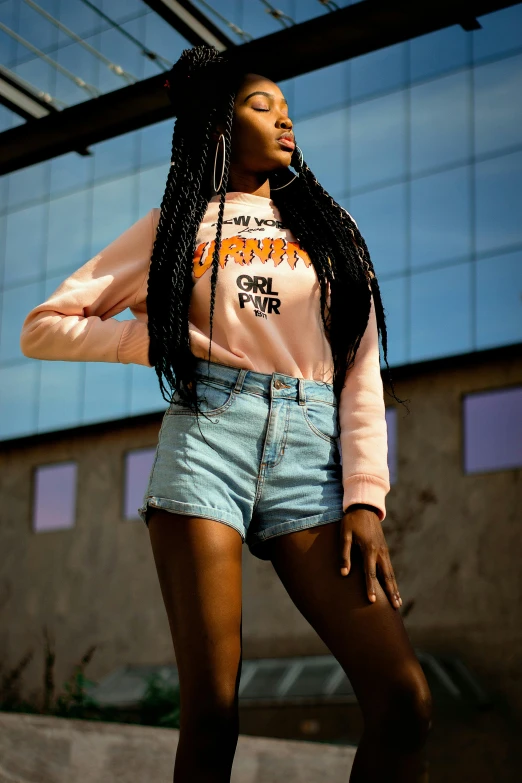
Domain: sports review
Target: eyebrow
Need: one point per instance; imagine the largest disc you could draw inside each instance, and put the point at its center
(261, 92)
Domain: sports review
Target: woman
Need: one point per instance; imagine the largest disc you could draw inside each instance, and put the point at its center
(260, 413)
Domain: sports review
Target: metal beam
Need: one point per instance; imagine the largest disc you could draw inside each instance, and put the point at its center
(191, 23)
(328, 39)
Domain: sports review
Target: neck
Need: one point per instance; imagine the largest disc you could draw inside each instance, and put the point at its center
(247, 182)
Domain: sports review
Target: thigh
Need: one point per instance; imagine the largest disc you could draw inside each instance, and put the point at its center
(368, 639)
(198, 562)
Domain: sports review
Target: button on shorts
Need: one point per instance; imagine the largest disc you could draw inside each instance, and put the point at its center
(267, 459)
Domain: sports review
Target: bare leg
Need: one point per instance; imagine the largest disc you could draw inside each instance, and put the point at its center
(370, 643)
(199, 569)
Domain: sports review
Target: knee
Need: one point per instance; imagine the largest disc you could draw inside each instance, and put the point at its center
(406, 718)
(210, 724)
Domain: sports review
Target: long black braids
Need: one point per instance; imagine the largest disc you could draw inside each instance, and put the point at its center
(202, 87)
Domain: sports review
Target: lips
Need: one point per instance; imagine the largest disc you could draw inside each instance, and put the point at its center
(287, 141)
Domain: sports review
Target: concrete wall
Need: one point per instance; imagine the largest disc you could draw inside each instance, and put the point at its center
(454, 542)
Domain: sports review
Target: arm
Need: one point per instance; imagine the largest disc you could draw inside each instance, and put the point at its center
(75, 322)
(364, 436)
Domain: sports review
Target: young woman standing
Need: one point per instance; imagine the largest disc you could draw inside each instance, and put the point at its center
(256, 302)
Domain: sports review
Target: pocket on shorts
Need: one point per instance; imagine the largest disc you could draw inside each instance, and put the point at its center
(214, 398)
(321, 419)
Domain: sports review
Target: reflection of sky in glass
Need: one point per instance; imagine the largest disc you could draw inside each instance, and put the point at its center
(381, 217)
(319, 90)
(18, 399)
(60, 394)
(106, 390)
(379, 71)
(440, 312)
(440, 217)
(15, 304)
(499, 300)
(114, 210)
(439, 52)
(25, 244)
(499, 202)
(393, 294)
(493, 430)
(377, 140)
(440, 122)
(500, 32)
(323, 142)
(138, 465)
(68, 237)
(54, 497)
(498, 105)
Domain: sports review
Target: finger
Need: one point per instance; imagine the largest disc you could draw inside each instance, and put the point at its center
(390, 585)
(346, 546)
(370, 557)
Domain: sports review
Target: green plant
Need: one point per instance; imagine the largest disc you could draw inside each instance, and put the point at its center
(160, 705)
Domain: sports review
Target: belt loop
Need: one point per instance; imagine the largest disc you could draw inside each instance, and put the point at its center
(239, 380)
(301, 391)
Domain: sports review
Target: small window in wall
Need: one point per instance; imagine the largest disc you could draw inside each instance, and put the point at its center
(138, 465)
(493, 430)
(391, 424)
(54, 504)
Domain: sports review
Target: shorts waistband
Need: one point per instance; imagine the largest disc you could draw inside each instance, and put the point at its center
(276, 384)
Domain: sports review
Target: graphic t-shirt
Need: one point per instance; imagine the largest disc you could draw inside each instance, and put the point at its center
(266, 318)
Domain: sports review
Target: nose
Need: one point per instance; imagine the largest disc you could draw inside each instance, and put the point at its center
(286, 123)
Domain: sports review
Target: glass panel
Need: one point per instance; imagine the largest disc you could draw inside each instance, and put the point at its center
(145, 392)
(16, 304)
(18, 399)
(440, 122)
(106, 391)
(54, 497)
(381, 217)
(323, 142)
(37, 72)
(394, 298)
(28, 184)
(498, 108)
(151, 187)
(156, 143)
(25, 244)
(161, 38)
(259, 22)
(138, 465)
(35, 28)
(440, 217)
(121, 9)
(378, 140)
(499, 202)
(68, 242)
(499, 301)
(115, 156)
(493, 430)
(379, 71)
(71, 171)
(114, 211)
(122, 52)
(440, 51)
(79, 18)
(501, 31)
(320, 90)
(440, 312)
(391, 426)
(82, 63)
(61, 392)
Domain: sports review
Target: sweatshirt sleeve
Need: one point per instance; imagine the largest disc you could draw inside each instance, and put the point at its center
(363, 435)
(75, 322)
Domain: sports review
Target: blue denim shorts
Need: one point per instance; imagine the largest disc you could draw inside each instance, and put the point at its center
(268, 464)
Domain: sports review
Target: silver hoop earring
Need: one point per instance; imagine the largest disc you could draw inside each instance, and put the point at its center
(218, 187)
(295, 175)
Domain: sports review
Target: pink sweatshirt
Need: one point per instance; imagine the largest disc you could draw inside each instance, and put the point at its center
(266, 318)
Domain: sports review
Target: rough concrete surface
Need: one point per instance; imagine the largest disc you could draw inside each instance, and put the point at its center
(42, 749)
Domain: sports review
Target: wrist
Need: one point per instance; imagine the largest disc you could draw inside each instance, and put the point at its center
(356, 506)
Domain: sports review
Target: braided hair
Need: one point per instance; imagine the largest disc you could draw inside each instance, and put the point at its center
(202, 86)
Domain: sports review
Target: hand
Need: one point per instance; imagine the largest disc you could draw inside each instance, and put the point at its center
(364, 527)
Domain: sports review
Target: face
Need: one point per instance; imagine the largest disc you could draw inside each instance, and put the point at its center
(262, 135)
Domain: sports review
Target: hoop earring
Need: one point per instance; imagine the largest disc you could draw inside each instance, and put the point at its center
(295, 175)
(218, 188)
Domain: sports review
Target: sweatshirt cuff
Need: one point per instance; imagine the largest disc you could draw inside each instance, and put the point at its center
(133, 347)
(364, 488)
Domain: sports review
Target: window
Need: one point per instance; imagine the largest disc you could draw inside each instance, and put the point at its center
(493, 430)
(138, 465)
(54, 497)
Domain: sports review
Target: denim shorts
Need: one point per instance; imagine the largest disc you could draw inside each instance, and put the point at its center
(268, 464)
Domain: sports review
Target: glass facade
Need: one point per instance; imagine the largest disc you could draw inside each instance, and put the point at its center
(421, 142)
